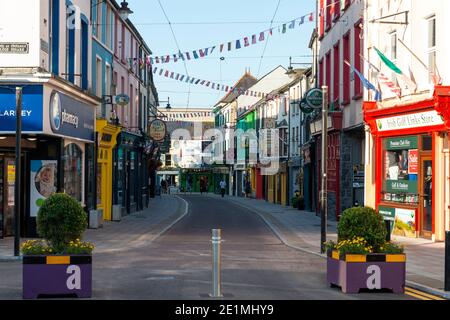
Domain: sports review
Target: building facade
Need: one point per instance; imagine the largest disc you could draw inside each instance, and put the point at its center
(407, 162)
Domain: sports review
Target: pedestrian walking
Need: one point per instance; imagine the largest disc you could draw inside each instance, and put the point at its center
(223, 185)
(248, 188)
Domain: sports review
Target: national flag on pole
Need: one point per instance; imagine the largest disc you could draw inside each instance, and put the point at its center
(391, 65)
(383, 79)
(366, 83)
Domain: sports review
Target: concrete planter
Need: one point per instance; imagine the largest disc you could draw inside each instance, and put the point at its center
(372, 271)
(57, 275)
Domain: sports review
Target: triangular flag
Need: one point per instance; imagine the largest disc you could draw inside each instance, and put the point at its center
(229, 46)
(193, 79)
(188, 78)
(221, 47)
(154, 69)
(254, 39)
(167, 58)
(202, 53)
(203, 82)
(180, 55)
(188, 56)
(171, 75)
(302, 20)
(213, 85)
(292, 25)
(175, 59)
(311, 17)
(284, 28)
(212, 49)
(195, 54)
(182, 77)
(238, 44)
(177, 76)
(262, 36)
(207, 84)
(246, 43)
(161, 71)
(167, 73)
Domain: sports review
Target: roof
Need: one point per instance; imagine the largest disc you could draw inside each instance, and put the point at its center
(245, 82)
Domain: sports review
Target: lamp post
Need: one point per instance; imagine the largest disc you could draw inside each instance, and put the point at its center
(323, 192)
(17, 183)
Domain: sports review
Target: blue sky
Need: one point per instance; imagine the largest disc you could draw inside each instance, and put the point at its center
(200, 24)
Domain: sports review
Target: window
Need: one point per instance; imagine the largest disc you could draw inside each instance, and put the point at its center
(328, 15)
(321, 77)
(321, 18)
(98, 71)
(432, 47)
(401, 170)
(99, 24)
(108, 27)
(328, 73)
(393, 41)
(337, 74)
(357, 59)
(346, 69)
(84, 55)
(73, 171)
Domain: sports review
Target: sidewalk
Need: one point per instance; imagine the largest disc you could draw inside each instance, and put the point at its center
(132, 231)
(301, 230)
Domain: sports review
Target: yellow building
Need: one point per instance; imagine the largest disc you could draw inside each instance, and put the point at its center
(107, 135)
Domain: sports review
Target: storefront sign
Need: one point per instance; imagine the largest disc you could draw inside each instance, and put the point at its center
(157, 130)
(122, 99)
(387, 213)
(14, 47)
(402, 143)
(314, 98)
(31, 108)
(413, 161)
(415, 120)
(358, 176)
(43, 180)
(72, 118)
(401, 186)
(270, 123)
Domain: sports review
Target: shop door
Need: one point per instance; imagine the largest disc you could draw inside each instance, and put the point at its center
(7, 185)
(426, 198)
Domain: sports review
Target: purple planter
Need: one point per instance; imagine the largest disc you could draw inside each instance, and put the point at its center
(373, 271)
(56, 275)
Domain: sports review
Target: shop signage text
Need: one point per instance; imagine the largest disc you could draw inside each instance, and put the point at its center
(405, 186)
(415, 120)
(402, 143)
(14, 47)
(31, 108)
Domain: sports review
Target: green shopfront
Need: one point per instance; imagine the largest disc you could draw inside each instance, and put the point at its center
(130, 177)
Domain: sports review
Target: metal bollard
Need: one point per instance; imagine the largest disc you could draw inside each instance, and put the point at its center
(447, 261)
(216, 241)
(388, 230)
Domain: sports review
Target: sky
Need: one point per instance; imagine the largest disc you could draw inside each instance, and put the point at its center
(203, 23)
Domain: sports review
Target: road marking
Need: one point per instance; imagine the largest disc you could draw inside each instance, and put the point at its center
(176, 221)
(421, 295)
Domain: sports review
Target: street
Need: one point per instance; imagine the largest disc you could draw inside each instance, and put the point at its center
(177, 264)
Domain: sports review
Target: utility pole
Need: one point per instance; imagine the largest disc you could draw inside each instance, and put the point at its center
(18, 170)
(323, 192)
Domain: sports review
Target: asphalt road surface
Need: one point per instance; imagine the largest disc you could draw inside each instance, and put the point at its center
(177, 265)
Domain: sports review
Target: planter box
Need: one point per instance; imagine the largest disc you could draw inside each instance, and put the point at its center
(57, 275)
(373, 271)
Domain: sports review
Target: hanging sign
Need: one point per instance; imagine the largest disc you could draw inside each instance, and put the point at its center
(157, 130)
(122, 99)
(314, 97)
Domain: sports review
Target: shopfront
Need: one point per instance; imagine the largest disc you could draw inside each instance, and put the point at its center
(130, 176)
(57, 150)
(411, 170)
(107, 137)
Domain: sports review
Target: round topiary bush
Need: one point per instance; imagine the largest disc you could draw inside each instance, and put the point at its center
(362, 222)
(61, 219)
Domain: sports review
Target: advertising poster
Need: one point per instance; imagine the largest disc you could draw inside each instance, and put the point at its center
(405, 223)
(43, 180)
(413, 161)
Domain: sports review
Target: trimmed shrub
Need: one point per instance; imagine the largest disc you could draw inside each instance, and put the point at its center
(61, 219)
(362, 222)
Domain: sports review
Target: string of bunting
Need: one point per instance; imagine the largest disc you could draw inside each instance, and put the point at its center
(210, 84)
(231, 45)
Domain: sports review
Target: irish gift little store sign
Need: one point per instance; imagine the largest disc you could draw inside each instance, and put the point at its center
(415, 120)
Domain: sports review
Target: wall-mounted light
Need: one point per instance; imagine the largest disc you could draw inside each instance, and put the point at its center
(31, 139)
(3, 138)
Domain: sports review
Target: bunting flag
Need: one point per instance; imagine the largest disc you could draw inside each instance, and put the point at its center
(238, 44)
(210, 84)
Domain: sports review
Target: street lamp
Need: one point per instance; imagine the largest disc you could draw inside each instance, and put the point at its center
(290, 71)
(124, 11)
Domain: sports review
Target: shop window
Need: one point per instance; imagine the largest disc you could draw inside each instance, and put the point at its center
(73, 171)
(401, 170)
(427, 143)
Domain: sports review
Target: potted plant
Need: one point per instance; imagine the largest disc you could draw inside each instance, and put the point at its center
(294, 202)
(362, 258)
(60, 263)
(301, 203)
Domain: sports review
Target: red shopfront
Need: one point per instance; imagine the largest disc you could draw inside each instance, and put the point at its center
(411, 164)
(333, 162)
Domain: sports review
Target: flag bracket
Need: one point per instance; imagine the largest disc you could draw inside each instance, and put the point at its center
(405, 22)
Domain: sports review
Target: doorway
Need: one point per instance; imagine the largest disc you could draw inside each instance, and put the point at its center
(426, 197)
(7, 185)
